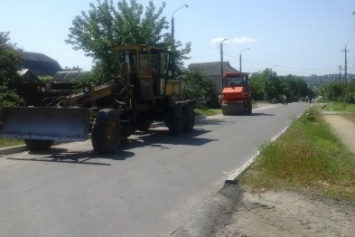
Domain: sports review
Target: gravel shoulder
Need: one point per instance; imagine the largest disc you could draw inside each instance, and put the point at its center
(283, 213)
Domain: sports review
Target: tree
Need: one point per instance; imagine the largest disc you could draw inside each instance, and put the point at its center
(10, 60)
(201, 88)
(257, 86)
(10, 63)
(333, 91)
(267, 85)
(104, 26)
(74, 68)
(351, 90)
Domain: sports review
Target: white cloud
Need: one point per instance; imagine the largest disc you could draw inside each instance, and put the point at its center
(242, 40)
(235, 40)
(218, 40)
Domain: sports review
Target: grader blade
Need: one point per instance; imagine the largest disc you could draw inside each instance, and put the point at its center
(57, 124)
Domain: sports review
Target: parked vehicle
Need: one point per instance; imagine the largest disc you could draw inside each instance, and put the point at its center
(142, 92)
(236, 96)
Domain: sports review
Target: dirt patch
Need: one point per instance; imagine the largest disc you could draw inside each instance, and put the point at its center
(270, 213)
(290, 214)
(344, 128)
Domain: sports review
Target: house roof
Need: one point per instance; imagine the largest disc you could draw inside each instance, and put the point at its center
(28, 76)
(211, 68)
(40, 64)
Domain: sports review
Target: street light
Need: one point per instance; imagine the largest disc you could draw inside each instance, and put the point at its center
(173, 35)
(240, 59)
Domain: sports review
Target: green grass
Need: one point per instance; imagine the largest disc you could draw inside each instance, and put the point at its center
(207, 112)
(339, 107)
(346, 110)
(6, 142)
(307, 156)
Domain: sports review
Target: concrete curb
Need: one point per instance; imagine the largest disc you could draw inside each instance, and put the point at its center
(12, 149)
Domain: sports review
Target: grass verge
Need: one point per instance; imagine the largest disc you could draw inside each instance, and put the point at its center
(7, 142)
(346, 110)
(308, 156)
(207, 112)
(339, 107)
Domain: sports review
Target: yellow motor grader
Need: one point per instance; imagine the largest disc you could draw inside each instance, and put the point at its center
(143, 91)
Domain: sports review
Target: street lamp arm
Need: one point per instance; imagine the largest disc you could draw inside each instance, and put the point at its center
(173, 35)
(244, 50)
(240, 59)
(185, 5)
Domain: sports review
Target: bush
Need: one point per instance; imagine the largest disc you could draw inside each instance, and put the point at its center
(201, 88)
(10, 98)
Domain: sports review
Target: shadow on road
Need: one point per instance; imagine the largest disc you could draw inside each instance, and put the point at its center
(261, 114)
(161, 138)
(62, 155)
(250, 115)
(155, 137)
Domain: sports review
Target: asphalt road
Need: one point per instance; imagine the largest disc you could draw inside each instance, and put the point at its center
(150, 187)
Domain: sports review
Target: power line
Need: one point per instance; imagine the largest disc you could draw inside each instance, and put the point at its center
(281, 66)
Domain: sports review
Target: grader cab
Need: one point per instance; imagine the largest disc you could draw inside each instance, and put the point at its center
(140, 93)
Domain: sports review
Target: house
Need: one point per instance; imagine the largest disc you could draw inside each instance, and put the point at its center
(212, 70)
(28, 77)
(40, 64)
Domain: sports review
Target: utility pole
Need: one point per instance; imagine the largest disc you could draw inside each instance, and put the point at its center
(346, 74)
(221, 51)
(240, 59)
(173, 36)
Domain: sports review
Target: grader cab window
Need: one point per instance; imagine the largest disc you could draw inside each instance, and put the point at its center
(129, 57)
(164, 63)
(148, 62)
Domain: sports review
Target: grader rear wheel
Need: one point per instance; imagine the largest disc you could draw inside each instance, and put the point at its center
(106, 131)
(189, 115)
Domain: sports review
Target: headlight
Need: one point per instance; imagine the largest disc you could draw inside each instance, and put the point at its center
(43, 89)
(86, 89)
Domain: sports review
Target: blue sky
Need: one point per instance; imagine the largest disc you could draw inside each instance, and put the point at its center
(300, 37)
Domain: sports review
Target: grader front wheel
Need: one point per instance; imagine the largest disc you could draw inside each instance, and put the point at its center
(106, 131)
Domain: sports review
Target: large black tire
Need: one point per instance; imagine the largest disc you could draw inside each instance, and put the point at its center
(249, 108)
(38, 145)
(106, 131)
(189, 115)
(175, 120)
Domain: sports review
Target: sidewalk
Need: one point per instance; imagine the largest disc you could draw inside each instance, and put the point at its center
(344, 128)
